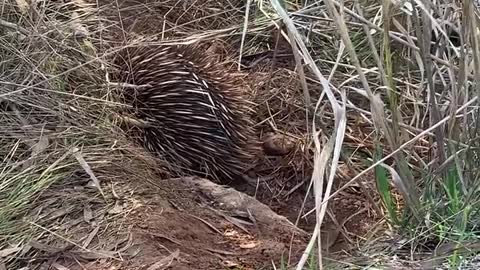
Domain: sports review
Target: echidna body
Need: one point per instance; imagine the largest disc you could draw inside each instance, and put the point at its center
(197, 116)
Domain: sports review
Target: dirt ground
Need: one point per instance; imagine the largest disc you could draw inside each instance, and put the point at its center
(186, 223)
(192, 223)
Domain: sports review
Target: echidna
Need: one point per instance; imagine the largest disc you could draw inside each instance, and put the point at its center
(196, 114)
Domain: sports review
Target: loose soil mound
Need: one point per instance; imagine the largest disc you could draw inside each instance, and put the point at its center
(190, 224)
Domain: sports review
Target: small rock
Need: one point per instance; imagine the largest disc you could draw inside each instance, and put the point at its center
(277, 145)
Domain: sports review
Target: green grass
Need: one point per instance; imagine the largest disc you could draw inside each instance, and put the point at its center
(18, 190)
(384, 189)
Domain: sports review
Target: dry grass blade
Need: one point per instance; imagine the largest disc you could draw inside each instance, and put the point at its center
(337, 136)
(166, 262)
(9, 251)
(301, 74)
(403, 146)
(245, 27)
(88, 170)
(391, 133)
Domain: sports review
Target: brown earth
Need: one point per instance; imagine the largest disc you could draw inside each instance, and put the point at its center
(192, 223)
(186, 223)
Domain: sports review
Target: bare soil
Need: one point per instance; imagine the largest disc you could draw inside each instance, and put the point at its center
(192, 223)
(189, 223)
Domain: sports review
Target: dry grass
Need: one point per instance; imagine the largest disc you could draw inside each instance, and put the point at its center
(360, 78)
(57, 126)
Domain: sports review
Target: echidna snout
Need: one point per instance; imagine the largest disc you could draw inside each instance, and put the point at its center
(198, 114)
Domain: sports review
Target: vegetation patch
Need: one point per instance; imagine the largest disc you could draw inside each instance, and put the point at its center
(367, 112)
